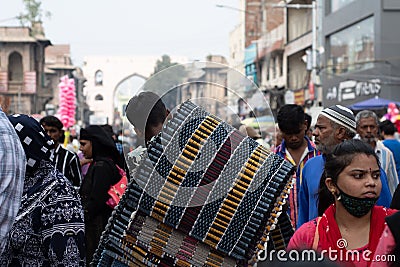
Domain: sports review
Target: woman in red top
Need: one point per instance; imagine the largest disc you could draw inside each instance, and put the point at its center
(349, 230)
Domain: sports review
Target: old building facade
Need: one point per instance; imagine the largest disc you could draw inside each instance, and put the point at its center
(112, 81)
(346, 53)
(22, 75)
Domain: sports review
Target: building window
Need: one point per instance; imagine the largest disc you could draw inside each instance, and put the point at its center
(15, 70)
(338, 4)
(352, 48)
(98, 78)
(98, 97)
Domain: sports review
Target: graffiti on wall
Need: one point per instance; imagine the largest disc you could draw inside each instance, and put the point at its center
(349, 90)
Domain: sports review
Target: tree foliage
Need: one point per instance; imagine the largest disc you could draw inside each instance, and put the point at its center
(163, 64)
(165, 81)
(33, 13)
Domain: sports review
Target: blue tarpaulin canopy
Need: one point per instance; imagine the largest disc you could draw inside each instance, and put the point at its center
(373, 103)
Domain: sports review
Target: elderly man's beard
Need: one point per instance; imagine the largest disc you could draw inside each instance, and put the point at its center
(326, 148)
(369, 139)
(329, 144)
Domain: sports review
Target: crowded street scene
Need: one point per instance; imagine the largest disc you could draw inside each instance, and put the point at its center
(216, 133)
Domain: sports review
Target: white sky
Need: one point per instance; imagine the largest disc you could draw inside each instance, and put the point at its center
(190, 28)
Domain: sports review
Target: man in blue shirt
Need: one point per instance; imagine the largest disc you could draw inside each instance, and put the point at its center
(334, 125)
(388, 129)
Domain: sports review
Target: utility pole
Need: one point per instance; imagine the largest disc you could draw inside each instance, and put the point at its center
(263, 19)
(314, 51)
(256, 17)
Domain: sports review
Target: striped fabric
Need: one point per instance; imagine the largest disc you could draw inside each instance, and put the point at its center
(205, 195)
(67, 162)
(341, 115)
(388, 165)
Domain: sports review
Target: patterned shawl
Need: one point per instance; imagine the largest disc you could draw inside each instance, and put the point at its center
(49, 228)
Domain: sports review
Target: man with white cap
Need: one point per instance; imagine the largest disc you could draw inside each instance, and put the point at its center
(334, 125)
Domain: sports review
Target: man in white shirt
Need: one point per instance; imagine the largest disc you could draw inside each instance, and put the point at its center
(367, 124)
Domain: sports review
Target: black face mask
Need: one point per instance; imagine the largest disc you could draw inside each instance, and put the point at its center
(357, 207)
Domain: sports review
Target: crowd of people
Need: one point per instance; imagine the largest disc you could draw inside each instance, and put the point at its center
(345, 195)
(348, 189)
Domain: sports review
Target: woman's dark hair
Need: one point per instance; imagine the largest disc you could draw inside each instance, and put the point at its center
(102, 143)
(335, 163)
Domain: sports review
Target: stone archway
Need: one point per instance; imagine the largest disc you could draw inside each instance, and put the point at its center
(123, 92)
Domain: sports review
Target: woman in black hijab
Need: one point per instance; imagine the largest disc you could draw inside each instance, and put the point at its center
(96, 144)
(49, 228)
